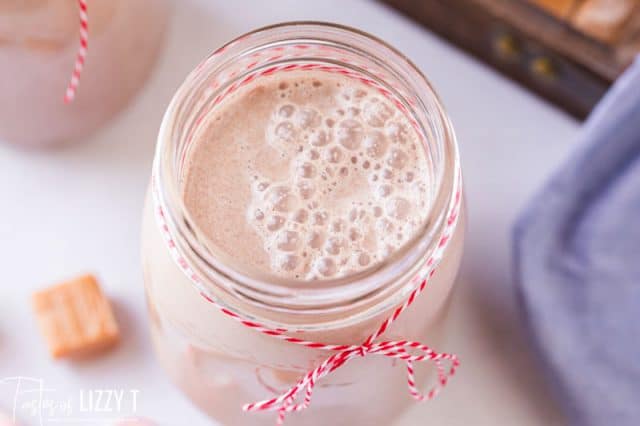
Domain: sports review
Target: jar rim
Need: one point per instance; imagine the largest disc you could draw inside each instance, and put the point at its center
(373, 289)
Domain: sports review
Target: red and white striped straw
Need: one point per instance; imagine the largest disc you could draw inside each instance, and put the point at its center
(81, 55)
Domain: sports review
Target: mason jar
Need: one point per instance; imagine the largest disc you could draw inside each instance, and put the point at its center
(39, 41)
(195, 299)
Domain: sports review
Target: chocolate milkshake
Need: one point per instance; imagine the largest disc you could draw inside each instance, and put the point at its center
(307, 176)
(304, 176)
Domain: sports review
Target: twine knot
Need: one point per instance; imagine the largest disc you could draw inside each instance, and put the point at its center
(407, 351)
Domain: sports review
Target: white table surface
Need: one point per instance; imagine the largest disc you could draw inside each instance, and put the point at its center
(78, 209)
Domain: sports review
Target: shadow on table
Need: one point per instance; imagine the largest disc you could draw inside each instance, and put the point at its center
(502, 358)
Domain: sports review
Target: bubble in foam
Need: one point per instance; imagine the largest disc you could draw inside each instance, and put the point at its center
(285, 131)
(409, 176)
(377, 211)
(398, 208)
(288, 240)
(397, 158)
(308, 118)
(306, 170)
(337, 225)
(319, 218)
(354, 234)
(333, 154)
(300, 216)
(262, 186)
(385, 226)
(384, 190)
(313, 155)
(397, 132)
(375, 144)
(319, 138)
(353, 111)
(387, 174)
(326, 266)
(286, 111)
(287, 262)
(329, 172)
(376, 113)
(364, 259)
(281, 199)
(333, 245)
(359, 94)
(350, 134)
(354, 94)
(275, 222)
(315, 240)
(353, 214)
(306, 189)
(258, 214)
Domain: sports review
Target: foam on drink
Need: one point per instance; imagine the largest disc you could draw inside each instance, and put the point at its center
(307, 175)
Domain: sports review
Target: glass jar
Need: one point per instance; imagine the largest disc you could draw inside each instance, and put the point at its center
(222, 364)
(39, 41)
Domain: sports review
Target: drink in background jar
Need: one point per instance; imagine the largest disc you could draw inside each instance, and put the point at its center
(39, 41)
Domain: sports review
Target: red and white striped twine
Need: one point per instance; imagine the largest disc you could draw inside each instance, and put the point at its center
(408, 351)
(72, 87)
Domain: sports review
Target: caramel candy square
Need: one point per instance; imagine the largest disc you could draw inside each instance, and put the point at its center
(559, 8)
(75, 318)
(604, 19)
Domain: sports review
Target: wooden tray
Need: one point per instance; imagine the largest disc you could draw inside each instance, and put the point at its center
(533, 43)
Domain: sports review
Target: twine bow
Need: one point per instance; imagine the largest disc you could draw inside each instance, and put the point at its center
(391, 349)
(405, 350)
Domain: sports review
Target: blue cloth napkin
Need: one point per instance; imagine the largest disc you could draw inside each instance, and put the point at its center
(577, 258)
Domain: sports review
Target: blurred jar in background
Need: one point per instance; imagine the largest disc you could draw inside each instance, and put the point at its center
(39, 41)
